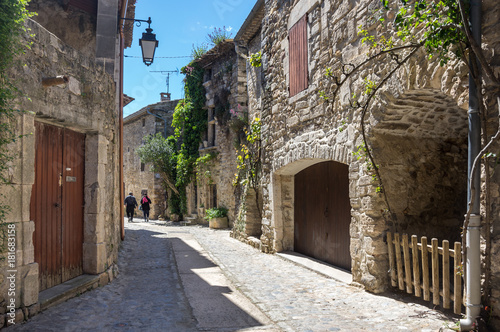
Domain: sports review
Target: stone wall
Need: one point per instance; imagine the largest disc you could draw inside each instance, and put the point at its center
(491, 46)
(222, 88)
(136, 126)
(416, 129)
(78, 30)
(86, 103)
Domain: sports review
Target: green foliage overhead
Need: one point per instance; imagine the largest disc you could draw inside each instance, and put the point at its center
(437, 23)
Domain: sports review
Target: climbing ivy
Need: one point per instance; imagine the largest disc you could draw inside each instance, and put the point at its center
(249, 161)
(13, 14)
(189, 122)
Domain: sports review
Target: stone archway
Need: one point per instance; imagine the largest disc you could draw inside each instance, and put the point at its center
(420, 144)
(291, 163)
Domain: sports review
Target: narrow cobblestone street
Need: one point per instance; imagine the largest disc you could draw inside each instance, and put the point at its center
(175, 278)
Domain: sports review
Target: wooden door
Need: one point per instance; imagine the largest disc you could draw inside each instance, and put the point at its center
(57, 203)
(323, 213)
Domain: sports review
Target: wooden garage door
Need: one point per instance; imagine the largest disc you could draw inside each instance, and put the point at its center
(57, 203)
(323, 213)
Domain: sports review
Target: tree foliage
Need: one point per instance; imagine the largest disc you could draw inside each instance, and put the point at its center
(160, 152)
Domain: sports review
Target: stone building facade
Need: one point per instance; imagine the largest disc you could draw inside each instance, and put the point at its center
(313, 149)
(64, 195)
(214, 186)
(150, 120)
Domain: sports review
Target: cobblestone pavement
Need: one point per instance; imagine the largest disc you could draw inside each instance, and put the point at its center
(148, 296)
(297, 299)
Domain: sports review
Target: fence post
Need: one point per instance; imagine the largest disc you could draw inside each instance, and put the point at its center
(435, 271)
(406, 253)
(425, 268)
(416, 266)
(392, 266)
(399, 262)
(446, 274)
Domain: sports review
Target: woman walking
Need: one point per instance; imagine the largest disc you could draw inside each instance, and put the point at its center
(145, 202)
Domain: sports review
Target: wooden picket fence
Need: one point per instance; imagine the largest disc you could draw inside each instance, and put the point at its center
(402, 264)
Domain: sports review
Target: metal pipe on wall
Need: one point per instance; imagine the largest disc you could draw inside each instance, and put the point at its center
(473, 263)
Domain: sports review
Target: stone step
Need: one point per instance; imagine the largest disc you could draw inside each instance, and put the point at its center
(67, 290)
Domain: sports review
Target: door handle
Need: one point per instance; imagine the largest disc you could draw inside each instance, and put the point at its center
(57, 205)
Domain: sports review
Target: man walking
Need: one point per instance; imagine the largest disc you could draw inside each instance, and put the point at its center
(130, 205)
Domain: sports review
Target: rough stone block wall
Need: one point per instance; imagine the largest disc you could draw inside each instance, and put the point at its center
(225, 77)
(85, 104)
(78, 30)
(491, 46)
(416, 129)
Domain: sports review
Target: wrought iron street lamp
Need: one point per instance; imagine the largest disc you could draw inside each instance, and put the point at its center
(148, 41)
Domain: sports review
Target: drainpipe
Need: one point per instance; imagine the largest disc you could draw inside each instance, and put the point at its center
(120, 120)
(473, 263)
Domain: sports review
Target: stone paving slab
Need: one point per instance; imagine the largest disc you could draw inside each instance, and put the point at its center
(173, 278)
(146, 295)
(298, 299)
(217, 304)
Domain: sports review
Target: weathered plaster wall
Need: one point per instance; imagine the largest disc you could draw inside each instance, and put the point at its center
(134, 132)
(85, 104)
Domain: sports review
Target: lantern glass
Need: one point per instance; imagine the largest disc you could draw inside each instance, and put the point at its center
(148, 45)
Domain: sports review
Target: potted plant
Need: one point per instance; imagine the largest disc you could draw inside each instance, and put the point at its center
(217, 217)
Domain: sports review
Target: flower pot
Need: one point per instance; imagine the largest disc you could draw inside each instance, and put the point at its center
(218, 223)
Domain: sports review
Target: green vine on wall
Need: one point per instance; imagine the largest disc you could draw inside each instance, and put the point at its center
(13, 14)
(189, 122)
(203, 167)
(249, 161)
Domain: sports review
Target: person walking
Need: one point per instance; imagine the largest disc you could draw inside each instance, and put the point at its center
(145, 201)
(130, 205)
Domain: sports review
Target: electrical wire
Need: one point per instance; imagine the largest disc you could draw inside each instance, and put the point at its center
(160, 57)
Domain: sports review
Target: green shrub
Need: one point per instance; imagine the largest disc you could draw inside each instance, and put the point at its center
(217, 212)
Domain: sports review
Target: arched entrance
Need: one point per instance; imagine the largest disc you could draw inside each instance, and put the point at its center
(322, 213)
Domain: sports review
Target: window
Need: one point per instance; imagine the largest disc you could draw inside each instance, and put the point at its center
(143, 122)
(297, 41)
(143, 166)
(214, 195)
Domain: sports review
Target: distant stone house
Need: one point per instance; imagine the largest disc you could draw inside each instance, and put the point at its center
(213, 187)
(319, 197)
(65, 193)
(138, 178)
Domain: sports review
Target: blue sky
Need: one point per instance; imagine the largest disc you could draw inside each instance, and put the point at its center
(177, 25)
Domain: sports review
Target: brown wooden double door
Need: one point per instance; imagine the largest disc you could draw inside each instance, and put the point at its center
(323, 213)
(57, 203)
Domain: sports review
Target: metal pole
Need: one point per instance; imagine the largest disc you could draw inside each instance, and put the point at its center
(473, 263)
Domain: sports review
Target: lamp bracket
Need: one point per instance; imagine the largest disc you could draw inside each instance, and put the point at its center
(138, 22)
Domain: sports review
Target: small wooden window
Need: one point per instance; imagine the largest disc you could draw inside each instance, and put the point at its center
(143, 167)
(298, 56)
